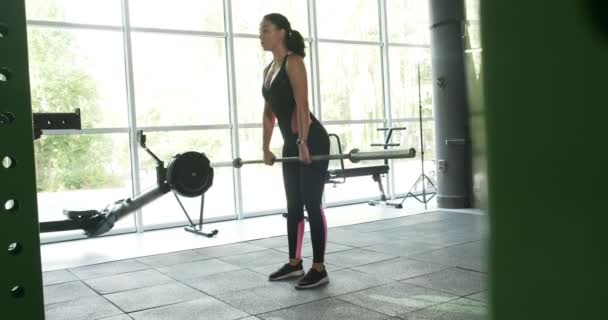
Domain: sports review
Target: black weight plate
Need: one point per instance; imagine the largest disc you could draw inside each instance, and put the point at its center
(190, 174)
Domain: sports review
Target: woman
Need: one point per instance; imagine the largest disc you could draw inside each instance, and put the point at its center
(285, 91)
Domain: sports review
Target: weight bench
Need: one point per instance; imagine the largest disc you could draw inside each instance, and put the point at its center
(374, 171)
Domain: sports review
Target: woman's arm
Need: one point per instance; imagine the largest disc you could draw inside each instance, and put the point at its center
(268, 124)
(296, 71)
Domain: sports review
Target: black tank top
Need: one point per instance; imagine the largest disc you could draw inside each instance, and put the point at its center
(280, 97)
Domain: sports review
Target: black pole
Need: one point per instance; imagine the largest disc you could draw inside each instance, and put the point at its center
(421, 140)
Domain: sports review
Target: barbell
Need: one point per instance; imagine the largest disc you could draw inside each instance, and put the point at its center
(354, 156)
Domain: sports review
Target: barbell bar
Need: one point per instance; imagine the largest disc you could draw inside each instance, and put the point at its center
(354, 156)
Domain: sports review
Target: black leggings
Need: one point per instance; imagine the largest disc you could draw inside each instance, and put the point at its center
(304, 188)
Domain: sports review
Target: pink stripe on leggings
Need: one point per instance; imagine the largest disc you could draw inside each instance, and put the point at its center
(300, 238)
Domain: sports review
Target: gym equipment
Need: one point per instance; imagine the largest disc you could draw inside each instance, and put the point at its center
(384, 169)
(188, 174)
(21, 293)
(423, 178)
(374, 171)
(354, 156)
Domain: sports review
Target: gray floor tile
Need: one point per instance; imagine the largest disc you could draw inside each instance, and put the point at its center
(400, 268)
(397, 298)
(57, 277)
(66, 292)
(468, 256)
(257, 258)
(197, 269)
(108, 269)
(120, 317)
(228, 281)
(399, 233)
(373, 226)
(229, 250)
(452, 238)
(128, 281)
(479, 221)
(86, 308)
(453, 280)
(307, 249)
(152, 297)
(356, 257)
(333, 309)
(481, 296)
(251, 318)
(395, 222)
(274, 296)
(423, 231)
(471, 249)
(440, 232)
(461, 309)
(206, 308)
(169, 259)
(347, 281)
(274, 242)
(355, 239)
(403, 247)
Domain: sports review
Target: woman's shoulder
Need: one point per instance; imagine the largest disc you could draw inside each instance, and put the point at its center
(293, 60)
(292, 56)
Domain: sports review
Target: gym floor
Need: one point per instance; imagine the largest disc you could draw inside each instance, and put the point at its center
(383, 264)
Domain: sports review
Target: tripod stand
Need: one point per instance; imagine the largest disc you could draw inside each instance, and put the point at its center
(423, 178)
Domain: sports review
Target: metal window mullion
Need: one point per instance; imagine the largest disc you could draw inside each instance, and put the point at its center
(357, 42)
(70, 25)
(257, 37)
(413, 119)
(410, 45)
(186, 127)
(232, 100)
(386, 83)
(207, 34)
(314, 54)
(84, 131)
(132, 114)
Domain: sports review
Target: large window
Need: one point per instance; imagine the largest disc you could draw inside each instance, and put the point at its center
(262, 185)
(249, 60)
(81, 172)
(179, 80)
(408, 90)
(408, 21)
(99, 12)
(247, 14)
(72, 68)
(351, 82)
(348, 20)
(192, 15)
(181, 70)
